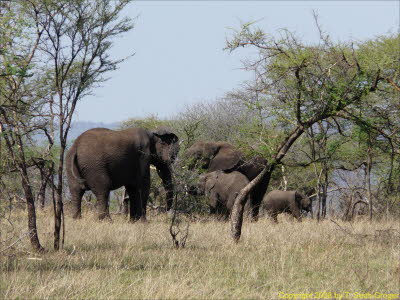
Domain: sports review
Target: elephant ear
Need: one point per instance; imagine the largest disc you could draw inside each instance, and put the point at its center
(297, 198)
(210, 181)
(166, 135)
(226, 158)
(305, 201)
(165, 146)
(300, 198)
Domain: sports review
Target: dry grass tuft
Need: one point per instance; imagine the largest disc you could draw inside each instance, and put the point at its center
(121, 260)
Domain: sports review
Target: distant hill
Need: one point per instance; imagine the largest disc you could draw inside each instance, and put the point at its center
(79, 127)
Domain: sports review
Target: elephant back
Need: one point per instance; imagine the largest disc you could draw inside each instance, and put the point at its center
(278, 199)
(252, 167)
(226, 158)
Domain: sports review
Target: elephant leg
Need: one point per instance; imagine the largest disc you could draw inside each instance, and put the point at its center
(213, 210)
(221, 212)
(296, 214)
(227, 215)
(221, 208)
(135, 205)
(144, 194)
(212, 202)
(257, 196)
(274, 216)
(295, 211)
(102, 204)
(224, 213)
(101, 189)
(137, 209)
(255, 203)
(76, 201)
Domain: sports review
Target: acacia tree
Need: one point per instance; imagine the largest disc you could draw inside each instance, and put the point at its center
(303, 84)
(75, 50)
(21, 100)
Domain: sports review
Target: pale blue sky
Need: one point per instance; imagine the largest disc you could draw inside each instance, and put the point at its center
(179, 49)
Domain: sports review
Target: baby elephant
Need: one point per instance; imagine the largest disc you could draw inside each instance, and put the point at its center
(276, 202)
(221, 190)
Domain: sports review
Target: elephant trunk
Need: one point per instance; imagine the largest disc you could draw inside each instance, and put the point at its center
(165, 173)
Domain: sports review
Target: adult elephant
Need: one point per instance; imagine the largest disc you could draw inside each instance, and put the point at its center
(221, 189)
(102, 160)
(276, 202)
(214, 156)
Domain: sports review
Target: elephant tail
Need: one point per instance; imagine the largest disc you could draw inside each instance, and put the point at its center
(75, 170)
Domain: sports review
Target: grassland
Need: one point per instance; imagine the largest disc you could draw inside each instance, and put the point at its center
(119, 260)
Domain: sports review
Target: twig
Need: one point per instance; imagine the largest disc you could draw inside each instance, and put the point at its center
(341, 228)
(19, 239)
(334, 190)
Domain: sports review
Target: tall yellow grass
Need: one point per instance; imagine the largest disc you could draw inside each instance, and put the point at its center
(120, 260)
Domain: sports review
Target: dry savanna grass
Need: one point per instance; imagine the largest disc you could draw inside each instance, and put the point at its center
(120, 260)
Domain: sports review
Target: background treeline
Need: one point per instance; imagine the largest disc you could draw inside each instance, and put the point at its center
(338, 158)
(325, 115)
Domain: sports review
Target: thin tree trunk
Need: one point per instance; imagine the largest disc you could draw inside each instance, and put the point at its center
(30, 205)
(323, 203)
(324, 191)
(349, 204)
(59, 202)
(390, 176)
(42, 190)
(319, 201)
(318, 192)
(369, 167)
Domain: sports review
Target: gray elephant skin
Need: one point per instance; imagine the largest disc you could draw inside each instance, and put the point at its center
(214, 156)
(221, 189)
(102, 160)
(276, 202)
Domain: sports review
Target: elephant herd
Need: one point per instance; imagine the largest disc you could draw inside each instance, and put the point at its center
(102, 160)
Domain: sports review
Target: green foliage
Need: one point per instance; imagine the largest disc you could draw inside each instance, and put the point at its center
(151, 122)
(381, 53)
